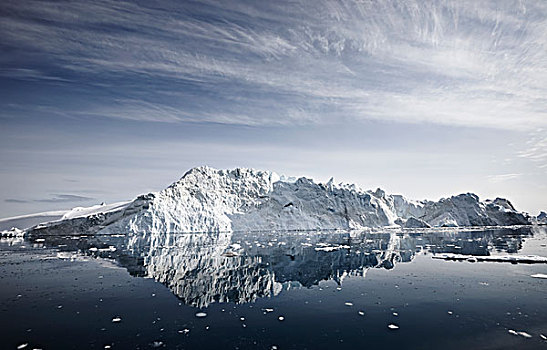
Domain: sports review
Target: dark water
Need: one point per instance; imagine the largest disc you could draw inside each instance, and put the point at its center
(289, 290)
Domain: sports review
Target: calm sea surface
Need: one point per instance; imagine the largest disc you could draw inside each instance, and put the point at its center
(274, 290)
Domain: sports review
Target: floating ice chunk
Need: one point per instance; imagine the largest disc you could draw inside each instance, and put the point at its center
(281, 318)
(543, 337)
(395, 314)
(157, 344)
(117, 319)
(229, 254)
(332, 248)
(268, 310)
(22, 346)
(348, 303)
(529, 259)
(201, 314)
(361, 313)
(450, 312)
(539, 275)
(524, 334)
(392, 326)
(184, 331)
(242, 318)
(513, 332)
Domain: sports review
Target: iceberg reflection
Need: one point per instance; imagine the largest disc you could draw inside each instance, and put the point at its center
(203, 268)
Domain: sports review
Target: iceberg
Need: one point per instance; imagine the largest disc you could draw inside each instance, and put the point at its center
(210, 200)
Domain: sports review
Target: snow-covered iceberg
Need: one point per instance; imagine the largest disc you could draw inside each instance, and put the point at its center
(210, 200)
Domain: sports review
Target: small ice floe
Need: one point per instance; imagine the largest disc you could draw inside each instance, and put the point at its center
(450, 312)
(39, 240)
(108, 346)
(12, 232)
(528, 259)
(157, 344)
(281, 318)
(274, 347)
(332, 248)
(347, 303)
(184, 331)
(539, 275)
(242, 318)
(519, 333)
(395, 314)
(542, 336)
(117, 319)
(268, 310)
(361, 313)
(22, 346)
(392, 326)
(201, 315)
(230, 254)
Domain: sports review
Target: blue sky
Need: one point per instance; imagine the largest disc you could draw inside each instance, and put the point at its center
(103, 100)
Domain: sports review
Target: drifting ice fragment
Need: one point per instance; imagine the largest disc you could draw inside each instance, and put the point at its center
(116, 319)
(348, 303)
(184, 331)
(539, 275)
(524, 334)
(22, 346)
(281, 318)
(362, 313)
(512, 332)
(543, 337)
(529, 259)
(392, 326)
(201, 314)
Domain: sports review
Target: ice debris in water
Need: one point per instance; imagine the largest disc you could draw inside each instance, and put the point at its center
(362, 313)
(268, 309)
(157, 344)
(184, 331)
(529, 259)
(348, 303)
(201, 314)
(281, 318)
(539, 275)
(392, 326)
(116, 319)
(22, 346)
(543, 337)
(521, 333)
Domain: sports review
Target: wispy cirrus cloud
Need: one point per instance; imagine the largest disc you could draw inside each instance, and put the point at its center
(480, 64)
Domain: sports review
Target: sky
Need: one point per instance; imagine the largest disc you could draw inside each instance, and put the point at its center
(105, 100)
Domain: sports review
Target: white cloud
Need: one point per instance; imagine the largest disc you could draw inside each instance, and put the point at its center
(458, 62)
